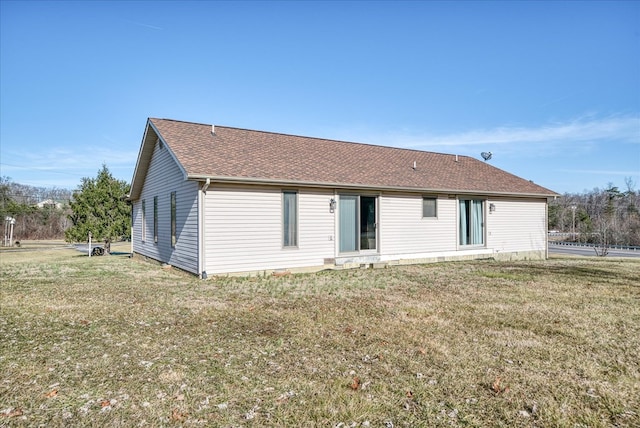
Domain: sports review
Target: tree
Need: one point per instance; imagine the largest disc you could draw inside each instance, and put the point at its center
(99, 208)
(603, 217)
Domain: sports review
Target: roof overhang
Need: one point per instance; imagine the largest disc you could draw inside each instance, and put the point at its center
(149, 138)
(358, 186)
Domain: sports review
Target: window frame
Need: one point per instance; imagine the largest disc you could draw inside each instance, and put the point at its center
(289, 241)
(357, 212)
(435, 206)
(155, 219)
(174, 238)
(143, 233)
(471, 234)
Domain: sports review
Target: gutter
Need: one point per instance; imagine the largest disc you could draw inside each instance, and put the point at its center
(272, 182)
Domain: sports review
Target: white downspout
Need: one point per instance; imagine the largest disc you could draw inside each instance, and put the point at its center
(202, 229)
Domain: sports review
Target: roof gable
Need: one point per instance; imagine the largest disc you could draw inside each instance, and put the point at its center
(232, 154)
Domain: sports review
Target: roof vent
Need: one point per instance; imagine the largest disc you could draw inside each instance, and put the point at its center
(414, 165)
(213, 130)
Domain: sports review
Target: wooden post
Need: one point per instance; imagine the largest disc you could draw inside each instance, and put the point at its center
(89, 244)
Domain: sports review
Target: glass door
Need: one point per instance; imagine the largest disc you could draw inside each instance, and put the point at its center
(358, 225)
(367, 223)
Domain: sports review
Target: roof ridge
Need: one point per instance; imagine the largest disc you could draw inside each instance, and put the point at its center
(306, 137)
(180, 121)
(344, 141)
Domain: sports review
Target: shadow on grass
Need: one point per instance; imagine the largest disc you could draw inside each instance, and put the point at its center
(594, 273)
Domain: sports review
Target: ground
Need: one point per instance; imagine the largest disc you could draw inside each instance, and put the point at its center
(117, 341)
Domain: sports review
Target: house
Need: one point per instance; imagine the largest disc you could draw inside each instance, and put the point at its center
(217, 200)
(49, 203)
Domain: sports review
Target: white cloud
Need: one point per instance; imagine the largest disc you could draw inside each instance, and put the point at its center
(599, 172)
(620, 129)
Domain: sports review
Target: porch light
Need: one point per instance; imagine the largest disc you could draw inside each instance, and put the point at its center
(332, 205)
(492, 207)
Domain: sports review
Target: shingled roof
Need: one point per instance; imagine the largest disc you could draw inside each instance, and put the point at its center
(241, 155)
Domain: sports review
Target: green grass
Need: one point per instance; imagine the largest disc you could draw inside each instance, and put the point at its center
(119, 342)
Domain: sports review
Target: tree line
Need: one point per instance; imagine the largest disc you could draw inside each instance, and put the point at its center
(608, 216)
(39, 212)
(604, 217)
(98, 206)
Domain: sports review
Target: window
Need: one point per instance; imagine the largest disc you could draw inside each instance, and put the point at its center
(144, 221)
(471, 222)
(357, 226)
(155, 219)
(429, 207)
(173, 219)
(289, 219)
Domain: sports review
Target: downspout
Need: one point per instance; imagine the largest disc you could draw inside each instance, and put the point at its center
(546, 229)
(127, 199)
(201, 229)
(131, 238)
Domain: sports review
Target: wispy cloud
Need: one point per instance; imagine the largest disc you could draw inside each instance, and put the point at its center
(607, 172)
(581, 134)
(624, 129)
(142, 24)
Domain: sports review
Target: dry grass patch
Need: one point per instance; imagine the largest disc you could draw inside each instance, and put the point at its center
(113, 341)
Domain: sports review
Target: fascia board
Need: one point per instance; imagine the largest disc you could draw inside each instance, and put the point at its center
(272, 182)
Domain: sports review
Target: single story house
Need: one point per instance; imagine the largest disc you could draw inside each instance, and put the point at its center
(215, 200)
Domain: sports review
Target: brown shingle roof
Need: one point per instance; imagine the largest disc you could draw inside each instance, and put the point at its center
(233, 153)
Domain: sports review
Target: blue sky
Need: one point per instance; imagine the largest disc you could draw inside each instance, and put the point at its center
(551, 88)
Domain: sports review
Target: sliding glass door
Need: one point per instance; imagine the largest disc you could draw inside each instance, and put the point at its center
(358, 225)
(471, 218)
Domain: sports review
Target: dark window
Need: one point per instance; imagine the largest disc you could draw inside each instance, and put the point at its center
(429, 207)
(155, 219)
(173, 219)
(289, 219)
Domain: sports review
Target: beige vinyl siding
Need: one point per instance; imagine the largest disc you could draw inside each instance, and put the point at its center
(243, 229)
(163, 177)
(403, 230)
(517, 225)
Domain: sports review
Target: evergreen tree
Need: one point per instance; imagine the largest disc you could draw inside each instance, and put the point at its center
(99, 208)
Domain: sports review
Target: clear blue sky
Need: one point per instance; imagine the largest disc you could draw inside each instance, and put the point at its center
(551, 88)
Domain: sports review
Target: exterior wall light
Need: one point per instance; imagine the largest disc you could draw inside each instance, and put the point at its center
(492, 208)
(332, 205)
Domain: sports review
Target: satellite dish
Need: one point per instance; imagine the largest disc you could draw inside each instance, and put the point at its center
(486, 155)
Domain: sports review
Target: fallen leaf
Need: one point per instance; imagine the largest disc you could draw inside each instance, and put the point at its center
(12, 413)
(177, 416)
(409, 394)
(355, 384)
(105, 403)
(179, 397)
(52, 393)
(498, 388)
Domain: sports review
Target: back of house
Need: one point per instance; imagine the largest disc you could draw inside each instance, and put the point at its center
(220, 200)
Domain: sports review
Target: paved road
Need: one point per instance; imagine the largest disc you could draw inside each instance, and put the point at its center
(589, 251)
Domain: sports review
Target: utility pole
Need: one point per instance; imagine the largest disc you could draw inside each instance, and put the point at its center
(573, 222)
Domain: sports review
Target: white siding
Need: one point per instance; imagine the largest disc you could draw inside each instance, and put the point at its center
(243, 229)
(163, 177)
(517, 225)
(404, 231)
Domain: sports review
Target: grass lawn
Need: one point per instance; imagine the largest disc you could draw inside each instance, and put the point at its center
(111, 341)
